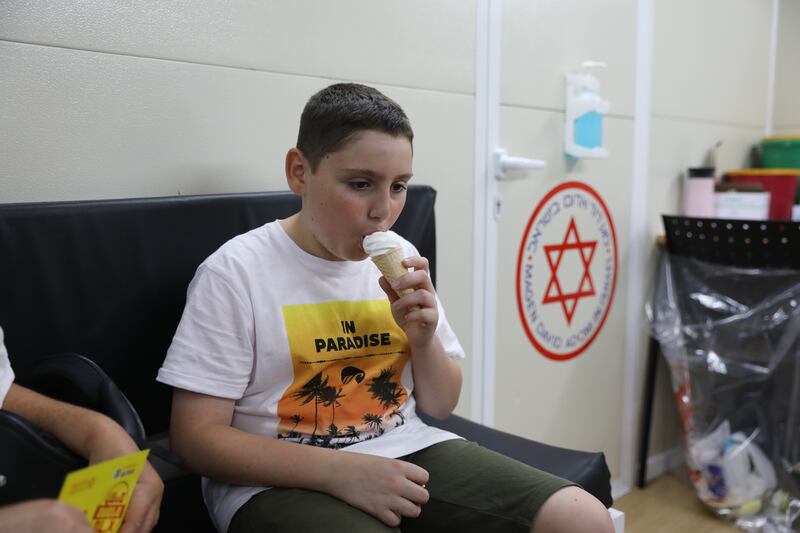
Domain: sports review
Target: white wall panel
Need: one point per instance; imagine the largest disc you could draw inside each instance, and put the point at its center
(545, 39)
(676, 145)
(711, 60)
(679, 144)
(787, 71)
(710, 70)
(83, 125)
(415, 43)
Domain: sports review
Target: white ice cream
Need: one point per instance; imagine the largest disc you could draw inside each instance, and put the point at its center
(381, 242)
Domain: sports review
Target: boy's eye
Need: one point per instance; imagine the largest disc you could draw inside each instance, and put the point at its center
(359, 185)
(399, 186)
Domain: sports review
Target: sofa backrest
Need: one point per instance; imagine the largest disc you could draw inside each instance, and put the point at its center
(108, 279)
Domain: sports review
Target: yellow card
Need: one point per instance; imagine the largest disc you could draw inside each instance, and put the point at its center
(102, 491)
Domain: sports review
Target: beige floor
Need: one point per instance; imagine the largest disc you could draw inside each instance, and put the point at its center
(668, 505)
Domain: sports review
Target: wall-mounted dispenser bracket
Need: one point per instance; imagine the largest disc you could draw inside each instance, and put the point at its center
(583, 129)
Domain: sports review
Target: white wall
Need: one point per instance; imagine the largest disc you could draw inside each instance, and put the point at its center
(786, 118)
(104, 100)
(709, 84)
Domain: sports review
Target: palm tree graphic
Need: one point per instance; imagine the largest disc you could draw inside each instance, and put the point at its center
(333, 431)
(292, 433)
(329, 397)
(351, 433)
(386, 391)
(374, 421)
(296, 419)
(312, 391)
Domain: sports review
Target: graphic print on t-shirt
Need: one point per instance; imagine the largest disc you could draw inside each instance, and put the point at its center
(348, 358)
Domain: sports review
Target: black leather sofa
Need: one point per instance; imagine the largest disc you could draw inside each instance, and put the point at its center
(107, 279)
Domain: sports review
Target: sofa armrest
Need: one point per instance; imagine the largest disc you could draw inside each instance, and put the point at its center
(588, 469)
(33, 463)
(80, 381)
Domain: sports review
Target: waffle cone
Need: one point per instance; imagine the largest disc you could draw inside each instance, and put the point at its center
(391, 266)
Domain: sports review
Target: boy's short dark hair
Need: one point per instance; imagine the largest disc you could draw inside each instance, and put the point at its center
(334, 115)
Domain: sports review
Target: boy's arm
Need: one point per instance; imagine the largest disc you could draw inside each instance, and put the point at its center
(201, 432)
(95, 437)
(437, 379)
(437, 376)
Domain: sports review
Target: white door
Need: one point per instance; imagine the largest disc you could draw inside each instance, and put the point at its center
(555, 373)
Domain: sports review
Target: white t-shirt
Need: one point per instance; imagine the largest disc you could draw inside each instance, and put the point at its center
(307, 347)
(6, 374)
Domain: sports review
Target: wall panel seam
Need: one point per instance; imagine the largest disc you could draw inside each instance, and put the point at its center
(524, 107)
(707, 122)
(237, 67)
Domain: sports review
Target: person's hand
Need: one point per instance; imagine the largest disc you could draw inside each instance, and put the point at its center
(416, 313)
(145, 503)
(109, 441)
(388, 489)
(43, 516)
(95, 437)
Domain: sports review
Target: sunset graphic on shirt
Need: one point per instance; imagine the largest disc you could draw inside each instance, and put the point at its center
(347, 358)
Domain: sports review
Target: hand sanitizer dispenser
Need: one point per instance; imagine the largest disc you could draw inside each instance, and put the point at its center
(583, 132)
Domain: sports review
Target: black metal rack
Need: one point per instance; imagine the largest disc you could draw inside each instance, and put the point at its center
(740, 243)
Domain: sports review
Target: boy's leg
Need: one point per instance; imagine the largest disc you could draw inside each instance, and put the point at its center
(573, 509)
(280, 510)
(475, 489)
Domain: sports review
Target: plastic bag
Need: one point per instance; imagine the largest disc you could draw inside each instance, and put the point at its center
(731, 337)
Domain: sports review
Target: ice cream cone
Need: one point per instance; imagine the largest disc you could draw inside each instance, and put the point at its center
(391, 266)
(386, 251)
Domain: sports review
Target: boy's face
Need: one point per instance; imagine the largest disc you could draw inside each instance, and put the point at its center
(354, 192)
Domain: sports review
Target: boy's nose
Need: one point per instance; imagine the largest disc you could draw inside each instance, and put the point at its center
(380, 207)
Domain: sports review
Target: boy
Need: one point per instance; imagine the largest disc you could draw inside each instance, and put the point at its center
(89, 434)
(293, 370)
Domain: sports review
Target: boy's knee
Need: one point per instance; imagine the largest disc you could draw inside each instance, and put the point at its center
(572, 509)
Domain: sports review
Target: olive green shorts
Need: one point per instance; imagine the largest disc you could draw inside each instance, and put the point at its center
(471, 489)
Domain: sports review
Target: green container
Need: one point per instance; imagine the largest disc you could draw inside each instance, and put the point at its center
(781, 151)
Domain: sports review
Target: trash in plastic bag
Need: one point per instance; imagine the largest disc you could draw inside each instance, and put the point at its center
(731, 337)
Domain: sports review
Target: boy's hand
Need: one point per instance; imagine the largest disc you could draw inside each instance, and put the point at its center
(416, 312)
(388, 489)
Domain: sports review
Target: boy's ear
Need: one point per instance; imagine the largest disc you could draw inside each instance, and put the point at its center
(296, 171)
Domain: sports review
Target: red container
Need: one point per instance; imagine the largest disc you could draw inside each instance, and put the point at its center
(781, 183)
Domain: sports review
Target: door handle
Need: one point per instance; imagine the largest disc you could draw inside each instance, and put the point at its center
(504, 163)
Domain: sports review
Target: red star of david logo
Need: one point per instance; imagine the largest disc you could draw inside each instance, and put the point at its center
(554, 254)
